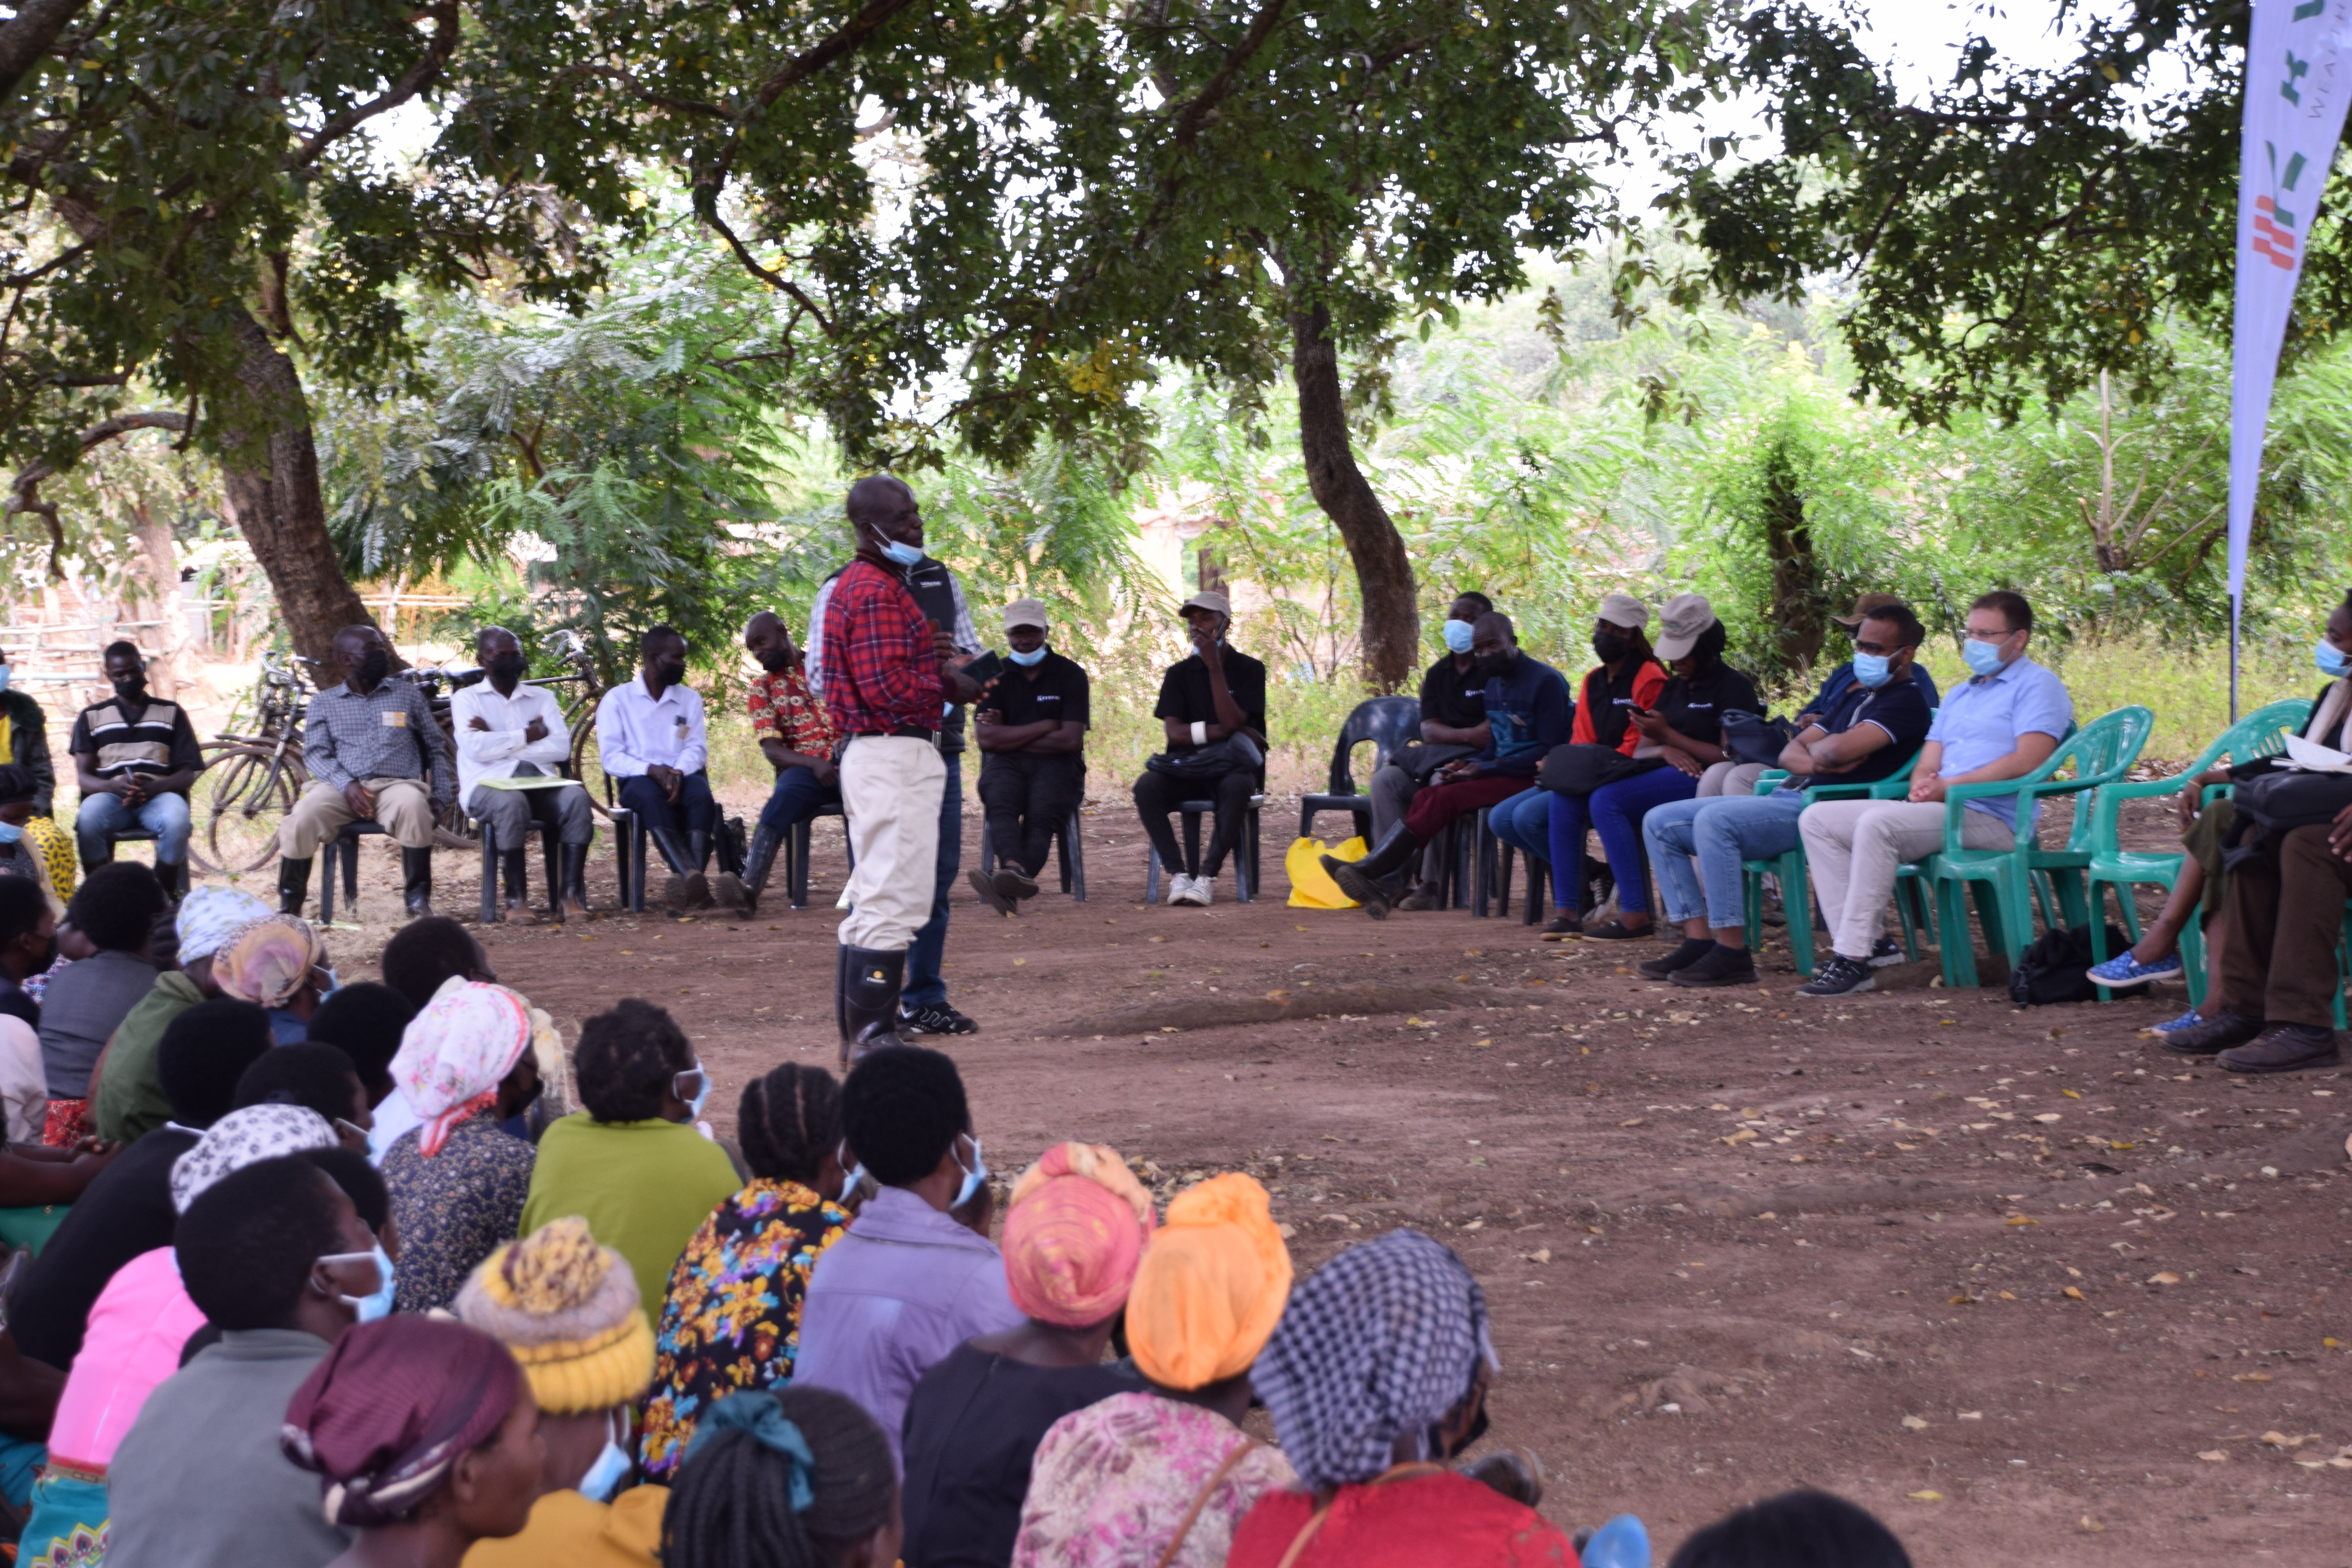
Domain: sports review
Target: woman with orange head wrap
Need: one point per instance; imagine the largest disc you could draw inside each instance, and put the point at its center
(1163, 1474)
(1074, 1229)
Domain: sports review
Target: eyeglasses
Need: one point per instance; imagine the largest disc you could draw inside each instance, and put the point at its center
(336, 1262)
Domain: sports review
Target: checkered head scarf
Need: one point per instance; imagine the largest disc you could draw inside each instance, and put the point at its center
(244, 1138)
(1380, 1342)
(209, 916)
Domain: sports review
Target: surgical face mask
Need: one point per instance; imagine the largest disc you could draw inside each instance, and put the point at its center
(775, 660)
(373, 666)
(2331, 659)
(1872, 669)
(1030, 659)
(611, 1468)
(1458, 637)
(10, 832)
(852, 1172)
(892, 550)
(973, 1175)
(692, 1086)
(1983, 658)
(376, 1303)
(510, 667)
(1611, 647)
(5, 673)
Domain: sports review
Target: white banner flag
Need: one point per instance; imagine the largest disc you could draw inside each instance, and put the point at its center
(2298, 81)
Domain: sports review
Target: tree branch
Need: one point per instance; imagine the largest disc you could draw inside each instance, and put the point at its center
(1195, 114)
(413, 80)
(25, 491)
(769, 276)
(26, 38)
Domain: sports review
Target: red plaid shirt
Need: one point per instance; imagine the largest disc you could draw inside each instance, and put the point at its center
(781, 707)
(881, 670)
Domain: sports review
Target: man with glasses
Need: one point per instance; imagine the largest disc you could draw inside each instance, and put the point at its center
(2003, 723)
(1876, 723)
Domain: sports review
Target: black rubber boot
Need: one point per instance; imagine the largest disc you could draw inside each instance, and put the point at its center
(416, 882)
(174, 879)
(742, 893)
(687, 887)
(293, 885)
(1364, 880)
(698, 882)
(576, 880)
(870, 983)
(514, 870)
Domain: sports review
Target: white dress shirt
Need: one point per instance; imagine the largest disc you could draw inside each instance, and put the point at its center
(636, 732)
(496, 754)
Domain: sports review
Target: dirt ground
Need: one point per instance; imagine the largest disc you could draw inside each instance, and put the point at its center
(2015, 1281)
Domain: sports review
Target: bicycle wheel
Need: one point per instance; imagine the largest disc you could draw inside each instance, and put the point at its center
(244, 793)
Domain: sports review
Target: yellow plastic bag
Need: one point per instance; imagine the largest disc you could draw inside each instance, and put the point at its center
(1312, 886)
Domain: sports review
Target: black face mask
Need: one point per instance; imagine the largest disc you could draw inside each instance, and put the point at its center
(373, 666)
(775, 660)
(1495, 665)
(509, 667)
(134, 689)
(1611, 647)
(671, 672)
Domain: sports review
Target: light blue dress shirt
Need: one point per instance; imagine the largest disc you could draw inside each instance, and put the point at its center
(1981, 719)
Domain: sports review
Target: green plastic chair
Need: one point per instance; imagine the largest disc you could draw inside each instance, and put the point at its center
(2002, 881)
(2262, 733)
(1796, 892)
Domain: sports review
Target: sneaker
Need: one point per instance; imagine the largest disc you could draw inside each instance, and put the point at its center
(1693, 949)
(1180, 889)
(1204, 890)
(1721, 965)
(2225, 1030)
(987, 889)
(2285, 1047)
(1887, 951)
(2180, 1026)
(1841, 976)
(1421, 898)
(2124, 970)
(934, 1018)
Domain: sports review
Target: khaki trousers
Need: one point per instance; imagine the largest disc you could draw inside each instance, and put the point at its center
(404, 806)
(1853, 848)
(891, 786)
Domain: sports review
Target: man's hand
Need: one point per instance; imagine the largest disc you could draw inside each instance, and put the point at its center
(479, 722)
(667, 780)
(1454, 773)
(943, 643)
(362, 803)
(132, 792)
(828, 773)
(1683, 760)
(2339, 837)
(1806, 721)
(989, 717)
(1928, 790)
(534, 731)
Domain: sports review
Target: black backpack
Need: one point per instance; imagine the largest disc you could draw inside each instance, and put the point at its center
(2056, 967)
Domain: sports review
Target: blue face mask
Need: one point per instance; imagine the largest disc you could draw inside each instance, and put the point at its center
(4, 678)
(904, 554)
(699, 1097)
(1872, 669)
(10, 832)
(377, 1303)
(611, 1468)
(1983, 658)
(974, 1173)
(1028, 660)
(2331, 659)
(1458, 637)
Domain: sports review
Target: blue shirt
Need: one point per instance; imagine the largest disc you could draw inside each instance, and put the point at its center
(1981, 719)
(1841, 679)
(1529, 711)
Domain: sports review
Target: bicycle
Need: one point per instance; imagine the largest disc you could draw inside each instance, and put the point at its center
(245, 777)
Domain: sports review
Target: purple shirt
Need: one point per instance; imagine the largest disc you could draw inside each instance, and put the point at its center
(900, 1289)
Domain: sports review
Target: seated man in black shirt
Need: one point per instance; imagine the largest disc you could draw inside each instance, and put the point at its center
(1211, 697)
(1452, 725)
(135, 757)
(1033, 774)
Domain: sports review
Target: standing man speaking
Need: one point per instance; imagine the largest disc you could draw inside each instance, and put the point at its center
(889, 679)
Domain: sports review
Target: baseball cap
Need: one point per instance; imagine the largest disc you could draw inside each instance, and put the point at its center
(1864, 605)
(1686, 617)
(1624, 610)
(1216, 603)
(1025, 613)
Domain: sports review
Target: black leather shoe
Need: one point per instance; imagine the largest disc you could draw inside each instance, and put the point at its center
(2224, 1030)
(1693, 949)
(2284, 1047)
(1720, 965)
(989, 894)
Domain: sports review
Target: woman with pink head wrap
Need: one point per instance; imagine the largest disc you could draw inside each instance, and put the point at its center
(1074, 1233)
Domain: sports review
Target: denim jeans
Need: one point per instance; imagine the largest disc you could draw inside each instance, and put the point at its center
(926, 987)
(1616, 812)
(165, 816)
(1524, 822)
(1721, 833)
(795, 799)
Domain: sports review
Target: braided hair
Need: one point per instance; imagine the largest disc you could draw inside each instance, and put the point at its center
(731, 1504)
(789, 1121)
(627, 1057)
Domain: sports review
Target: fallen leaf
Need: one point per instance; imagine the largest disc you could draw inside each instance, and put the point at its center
(2021, 1219)
(1475, 1224)
(2093, 1525)
(2278, 1439)
(1744, 1135)
(1635, 1122)
(2007, 1296)
(2214, 1456)
(2072, 1294)
(1540, 1255)
(1972, 1415)
(2049, 1116)
(2072, 1093)
(2167, 1278)
(1914, 1424)
(1925, 1497)
(2252, 1377)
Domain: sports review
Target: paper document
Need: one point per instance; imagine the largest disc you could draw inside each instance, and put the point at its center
(542, 782)
(2313, 758)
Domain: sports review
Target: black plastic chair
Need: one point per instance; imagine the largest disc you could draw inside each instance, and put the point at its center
(796, 855)
(1067, 852)
(1247, 877)
(343, 846)
(1389, 723)
(553, 849)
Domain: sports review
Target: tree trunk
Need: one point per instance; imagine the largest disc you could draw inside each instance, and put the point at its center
(269, 479)
(1391, 617)
(1800, 607)
(163, 576)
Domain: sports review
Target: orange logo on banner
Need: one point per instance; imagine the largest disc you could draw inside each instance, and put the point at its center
(2270, 240)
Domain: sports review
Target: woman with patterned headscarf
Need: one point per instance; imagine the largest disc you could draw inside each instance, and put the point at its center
(424, 1437)
(1074, 1229)
(281, 963)
(1162, 1475)
(1376, 1377)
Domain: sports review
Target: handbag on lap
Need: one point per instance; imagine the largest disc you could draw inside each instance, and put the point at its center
(1581, 767)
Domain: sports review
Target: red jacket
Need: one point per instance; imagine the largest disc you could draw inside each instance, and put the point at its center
(1648, 681)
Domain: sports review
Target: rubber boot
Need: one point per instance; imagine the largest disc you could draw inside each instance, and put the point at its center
(293, 884)
(1366, 880)
(514, 867)
(870, 983)
(175, 878)
(686, 887)
(576, 880)
(698, 846)
(416, 882)
(742, 894)
(840, 995)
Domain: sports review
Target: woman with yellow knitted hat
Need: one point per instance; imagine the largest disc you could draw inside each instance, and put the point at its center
(1163, 1476)
(568, 1309)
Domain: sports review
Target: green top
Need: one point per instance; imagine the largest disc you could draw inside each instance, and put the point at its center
(644, 1187)
(130, 1102)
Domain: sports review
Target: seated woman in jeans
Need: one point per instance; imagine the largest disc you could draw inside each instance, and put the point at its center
(1685, 730)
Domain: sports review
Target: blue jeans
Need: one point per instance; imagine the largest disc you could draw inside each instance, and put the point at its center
(694, 812)
(1524, 822)
(1616, 812)
(165, 816)
(925, 986)
(795, 799)
(1721, 833)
